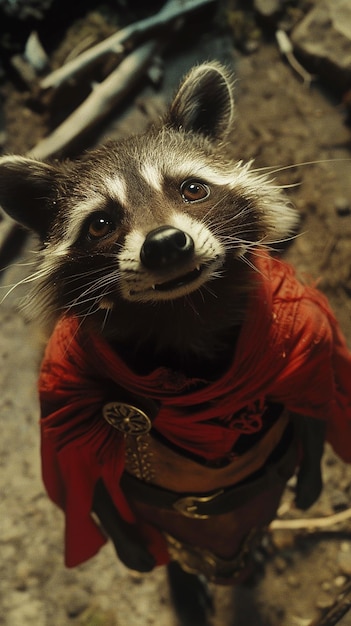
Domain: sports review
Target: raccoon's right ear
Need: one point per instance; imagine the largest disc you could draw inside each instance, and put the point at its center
(204, 102)
(27, 192)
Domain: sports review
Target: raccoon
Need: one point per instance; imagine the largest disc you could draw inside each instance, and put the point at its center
(146, 227)
(184, 357)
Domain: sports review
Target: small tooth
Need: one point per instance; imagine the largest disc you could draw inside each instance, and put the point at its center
(198, 268)
(153, 287)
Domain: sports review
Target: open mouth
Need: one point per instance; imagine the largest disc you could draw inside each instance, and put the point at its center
(176, 287)
(180, 281)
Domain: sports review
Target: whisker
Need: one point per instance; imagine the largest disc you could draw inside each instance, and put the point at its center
(105, 320)
(24, 281)
(274, 169)
(252, 265)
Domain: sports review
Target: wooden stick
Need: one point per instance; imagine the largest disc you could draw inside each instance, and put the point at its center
(118, 42)
(99, 103)
(311, 523)
(286, 49)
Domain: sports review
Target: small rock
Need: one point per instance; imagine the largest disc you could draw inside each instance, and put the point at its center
(136, 577)
(280, 564)
(76, 602)
(330, 459)
(344, 562)
(283, 539)
(345, 546)
(22, 576)
(342, 207)
(35, 54)
(338, 500)
(300, 621)
(293, 581)
(27, 611)
(324, 602)
(267, 8)
(340, 581)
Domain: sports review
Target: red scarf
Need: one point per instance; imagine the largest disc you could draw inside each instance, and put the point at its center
(290, 351)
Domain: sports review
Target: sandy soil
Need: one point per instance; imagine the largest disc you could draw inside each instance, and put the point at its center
(280, 123)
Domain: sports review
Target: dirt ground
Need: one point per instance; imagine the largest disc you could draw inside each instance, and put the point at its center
(280, 122)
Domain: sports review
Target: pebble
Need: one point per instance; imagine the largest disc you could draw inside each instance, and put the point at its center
(280, 564)
(324, 602)
(338, 500)
(344, 562)
(340, 581)
(345, 546)
(35, 54)
(293, 581)
(11, 531)
(342, 207)
(76, 602)
(26, 611)
(136, 577)
(267, 8)
(283, 539)
(22, 576)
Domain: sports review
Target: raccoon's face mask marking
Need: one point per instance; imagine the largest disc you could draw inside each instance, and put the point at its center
(153, 218)
(171, 261)
(175, 258)
(99, 226)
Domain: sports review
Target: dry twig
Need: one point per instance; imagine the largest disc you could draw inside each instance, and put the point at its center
(99, 103)
(286, 49)
(123, 39)
(106, 95)
(116, 86)
(310, 524)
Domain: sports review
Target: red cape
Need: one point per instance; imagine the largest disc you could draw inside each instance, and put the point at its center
(290, 350)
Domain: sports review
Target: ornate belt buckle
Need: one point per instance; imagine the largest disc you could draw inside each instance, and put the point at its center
(126, 418)
(188, 506)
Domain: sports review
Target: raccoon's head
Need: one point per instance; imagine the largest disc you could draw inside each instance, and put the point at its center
(153, 218)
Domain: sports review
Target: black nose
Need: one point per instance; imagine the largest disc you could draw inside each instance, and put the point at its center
(165, 246)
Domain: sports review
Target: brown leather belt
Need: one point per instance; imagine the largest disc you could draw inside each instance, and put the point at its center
(278, 468)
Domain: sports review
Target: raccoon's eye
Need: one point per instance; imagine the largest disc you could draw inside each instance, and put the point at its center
(193, 191)
(100, 226)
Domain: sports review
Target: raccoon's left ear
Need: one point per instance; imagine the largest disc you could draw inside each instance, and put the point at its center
(27, 191)
(204, 103)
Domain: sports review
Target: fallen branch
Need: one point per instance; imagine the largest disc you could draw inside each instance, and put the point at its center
(311, 523)
(339, 609)
(120, 41)
(99, 103)
(286, 49)
(107, 94)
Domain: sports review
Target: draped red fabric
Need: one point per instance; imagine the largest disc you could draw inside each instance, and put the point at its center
(290, 350)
